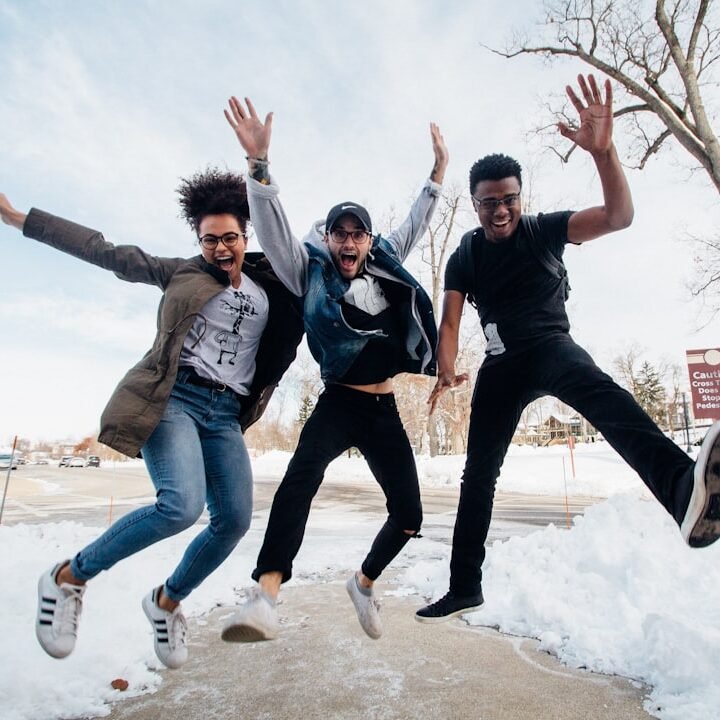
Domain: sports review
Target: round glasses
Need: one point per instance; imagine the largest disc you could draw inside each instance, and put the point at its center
(210, 242)
(357, 236)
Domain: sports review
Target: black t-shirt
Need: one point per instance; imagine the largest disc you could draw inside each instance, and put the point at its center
(382, 356)
(519, 302)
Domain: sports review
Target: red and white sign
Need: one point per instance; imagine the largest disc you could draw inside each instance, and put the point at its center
(704, 371)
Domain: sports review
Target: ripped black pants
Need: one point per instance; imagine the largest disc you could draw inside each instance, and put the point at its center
(345, 418)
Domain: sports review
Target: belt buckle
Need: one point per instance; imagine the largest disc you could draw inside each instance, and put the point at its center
(220, 387)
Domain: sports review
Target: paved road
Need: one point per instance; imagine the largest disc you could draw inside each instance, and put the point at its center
(46, 493)
(323, 666)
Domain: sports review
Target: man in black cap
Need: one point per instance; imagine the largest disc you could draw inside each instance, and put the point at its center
(367, 319)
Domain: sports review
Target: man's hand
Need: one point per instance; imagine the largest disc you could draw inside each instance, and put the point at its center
(445, 381)
(9, 215)
(596, 117)
(441, 154)
(253, 134)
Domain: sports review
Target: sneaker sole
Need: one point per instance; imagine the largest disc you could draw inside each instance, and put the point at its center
(697, 530)
(243, 633)
(450, 616)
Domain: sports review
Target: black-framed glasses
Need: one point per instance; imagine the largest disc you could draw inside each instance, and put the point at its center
(210, 242)
(495, 203)
(357, 236)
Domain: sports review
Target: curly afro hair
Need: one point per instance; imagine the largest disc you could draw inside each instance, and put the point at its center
(213, 192)
(494, 167)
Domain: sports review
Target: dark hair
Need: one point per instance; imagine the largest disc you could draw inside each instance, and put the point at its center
(213, 192)
(494, 167)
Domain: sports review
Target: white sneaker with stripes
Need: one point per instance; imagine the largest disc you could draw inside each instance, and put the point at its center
(170, 629)
(58, 614)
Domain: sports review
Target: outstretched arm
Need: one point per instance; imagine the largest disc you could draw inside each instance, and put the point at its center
(254, 136)
(447, 350)
(441, 155)
(286, 253)
(9, 215)
(128, 262)
(404, 238)
(594, 135)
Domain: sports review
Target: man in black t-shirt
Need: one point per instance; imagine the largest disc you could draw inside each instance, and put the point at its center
(512, 275)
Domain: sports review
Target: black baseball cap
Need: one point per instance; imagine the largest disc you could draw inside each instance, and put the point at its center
(348, 208)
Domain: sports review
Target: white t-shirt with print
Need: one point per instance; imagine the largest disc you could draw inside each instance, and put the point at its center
(223, 341)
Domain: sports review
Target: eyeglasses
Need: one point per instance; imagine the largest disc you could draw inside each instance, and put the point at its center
(357, 236)
(210, 242)
(493, 204)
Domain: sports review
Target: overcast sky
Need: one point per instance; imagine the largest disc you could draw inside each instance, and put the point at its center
(105, 105)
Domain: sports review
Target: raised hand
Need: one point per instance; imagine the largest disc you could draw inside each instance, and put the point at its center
(9, 215)
(441, 154)
(596, 116)
(253, 134)
(444, 382)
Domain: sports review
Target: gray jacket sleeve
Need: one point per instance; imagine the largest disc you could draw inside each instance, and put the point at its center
(405, 237)
(128, 262)
(287, 255)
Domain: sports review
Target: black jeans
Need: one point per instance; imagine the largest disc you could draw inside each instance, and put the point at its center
(345, 418)
(559, 367)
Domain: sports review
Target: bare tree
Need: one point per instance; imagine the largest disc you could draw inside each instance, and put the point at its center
(705, 285)
(446, 427)
(665, 60)
(625, 368)
(656, 387)
(441, 239)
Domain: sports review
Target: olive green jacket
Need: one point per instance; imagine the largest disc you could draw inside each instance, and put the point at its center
(139, 401)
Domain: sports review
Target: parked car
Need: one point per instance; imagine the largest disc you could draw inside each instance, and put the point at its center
(76, 461)
(92, 461)
(5, 461)
(65, 461)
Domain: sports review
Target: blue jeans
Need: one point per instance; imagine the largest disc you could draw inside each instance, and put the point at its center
(196, 455)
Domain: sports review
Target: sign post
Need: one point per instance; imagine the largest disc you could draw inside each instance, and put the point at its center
(704, 371)
(7, 478)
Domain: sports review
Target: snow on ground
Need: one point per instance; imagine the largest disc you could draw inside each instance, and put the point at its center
(618, 593)
(535, 471)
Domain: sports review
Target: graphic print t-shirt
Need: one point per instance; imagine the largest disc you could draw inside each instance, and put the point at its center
(224, 338)
(519, 301)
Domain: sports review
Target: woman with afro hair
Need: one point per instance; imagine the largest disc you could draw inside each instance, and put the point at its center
(226, 331)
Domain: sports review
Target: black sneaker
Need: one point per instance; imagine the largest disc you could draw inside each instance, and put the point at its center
(449, 606)
(701, 525)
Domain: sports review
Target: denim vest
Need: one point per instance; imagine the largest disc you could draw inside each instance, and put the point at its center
(333, 343)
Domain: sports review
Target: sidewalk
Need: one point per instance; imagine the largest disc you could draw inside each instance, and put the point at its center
(323, 666)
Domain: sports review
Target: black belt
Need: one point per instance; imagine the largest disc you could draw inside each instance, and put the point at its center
(194, 379)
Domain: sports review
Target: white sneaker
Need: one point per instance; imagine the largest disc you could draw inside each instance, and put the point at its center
(367, 608)
(58, 614)
(170, 629)
(701, 525)
(256, 619)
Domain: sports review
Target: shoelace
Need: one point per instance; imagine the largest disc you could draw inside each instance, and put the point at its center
(177, 630)
(255, 593)
(373, 602)
(68, 611)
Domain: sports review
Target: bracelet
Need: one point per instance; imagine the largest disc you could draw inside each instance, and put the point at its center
(257, 161)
